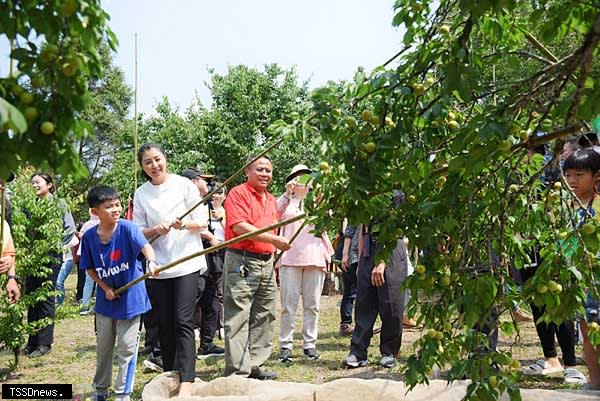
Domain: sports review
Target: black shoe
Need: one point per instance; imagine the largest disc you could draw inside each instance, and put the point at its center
(28, 349)
(146, 350)
(285, 355)
(210, 350)
(154, 363)
(260, 374)
(312, 354)
(41, 351)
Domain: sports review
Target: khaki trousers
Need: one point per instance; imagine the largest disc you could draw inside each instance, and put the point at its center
(249, 312)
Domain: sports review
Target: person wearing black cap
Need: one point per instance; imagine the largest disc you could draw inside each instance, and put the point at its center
(206, 311)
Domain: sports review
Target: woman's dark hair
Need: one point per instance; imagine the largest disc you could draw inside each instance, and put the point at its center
(583, 160)
(46, 177)
(588, 139)
(145, 147)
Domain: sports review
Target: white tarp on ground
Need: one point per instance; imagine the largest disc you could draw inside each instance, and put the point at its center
(235, 388)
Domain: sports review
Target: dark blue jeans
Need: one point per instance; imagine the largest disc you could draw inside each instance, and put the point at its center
(349, 294)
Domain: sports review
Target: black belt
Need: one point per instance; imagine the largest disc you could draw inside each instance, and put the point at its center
(261, 256)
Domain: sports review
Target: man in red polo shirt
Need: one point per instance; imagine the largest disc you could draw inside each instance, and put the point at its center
(249, 295)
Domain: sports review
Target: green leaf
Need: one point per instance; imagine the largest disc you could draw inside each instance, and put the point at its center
(12, 117)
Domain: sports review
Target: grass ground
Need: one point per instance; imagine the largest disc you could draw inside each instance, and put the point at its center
(72, 359)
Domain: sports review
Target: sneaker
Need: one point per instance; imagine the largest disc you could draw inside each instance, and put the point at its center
(346, 329)
(153, 363)
(146, 350)
(521, 316)
(351, 362)
(387, 361)
(312, 354)
(40, 351)
(260, 374)
(87, 311)
(210, 350)
(28, 349)
(285, 355)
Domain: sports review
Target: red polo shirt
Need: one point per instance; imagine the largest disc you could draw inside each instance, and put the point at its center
(243, 203)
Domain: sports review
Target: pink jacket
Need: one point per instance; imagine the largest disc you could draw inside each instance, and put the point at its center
(307, 249)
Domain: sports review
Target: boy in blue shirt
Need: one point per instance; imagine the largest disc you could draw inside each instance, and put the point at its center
(109, 254)
(582, 173)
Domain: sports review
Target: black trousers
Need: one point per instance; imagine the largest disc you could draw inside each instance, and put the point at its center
(42, 309)
(81, 275)
(565, 332)
(386, 301)
(150, 320)
(206, 312)
(349, 294)
(174, 303)
(215, 262)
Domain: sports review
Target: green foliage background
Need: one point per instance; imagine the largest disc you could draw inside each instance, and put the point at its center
(37, 233)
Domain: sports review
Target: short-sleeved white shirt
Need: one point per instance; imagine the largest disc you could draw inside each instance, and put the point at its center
(154, 204)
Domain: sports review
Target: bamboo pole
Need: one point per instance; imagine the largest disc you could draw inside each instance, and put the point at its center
(212, 249)
(135, 117)
(225, 183)
(280, 254)
(2, 214)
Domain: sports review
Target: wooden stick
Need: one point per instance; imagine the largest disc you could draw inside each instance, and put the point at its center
(135, 118)
(279, 255)
(225, 183)
(2, 214)
(212, 249)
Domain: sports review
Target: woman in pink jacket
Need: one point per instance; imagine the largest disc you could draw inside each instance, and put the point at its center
(302, 270)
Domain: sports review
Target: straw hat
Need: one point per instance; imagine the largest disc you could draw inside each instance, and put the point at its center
(297, 170)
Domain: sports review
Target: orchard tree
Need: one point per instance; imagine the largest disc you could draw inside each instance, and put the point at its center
(245, 103)
(183, 142)
(54, 51)
(106, 112)
(435, 124)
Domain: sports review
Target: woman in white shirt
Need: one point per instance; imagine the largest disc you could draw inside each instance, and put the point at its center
(157, 206)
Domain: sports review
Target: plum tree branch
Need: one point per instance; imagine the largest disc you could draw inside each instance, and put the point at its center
(587, 52)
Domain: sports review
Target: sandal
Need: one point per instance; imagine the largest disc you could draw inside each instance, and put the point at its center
(541, 368)
(574, 376)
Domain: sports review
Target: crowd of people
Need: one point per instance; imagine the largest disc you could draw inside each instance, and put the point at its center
(231, 293)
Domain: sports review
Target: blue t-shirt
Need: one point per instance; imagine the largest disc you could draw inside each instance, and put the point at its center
(116, 264)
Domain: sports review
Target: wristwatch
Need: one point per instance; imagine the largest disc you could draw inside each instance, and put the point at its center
(14, 277)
